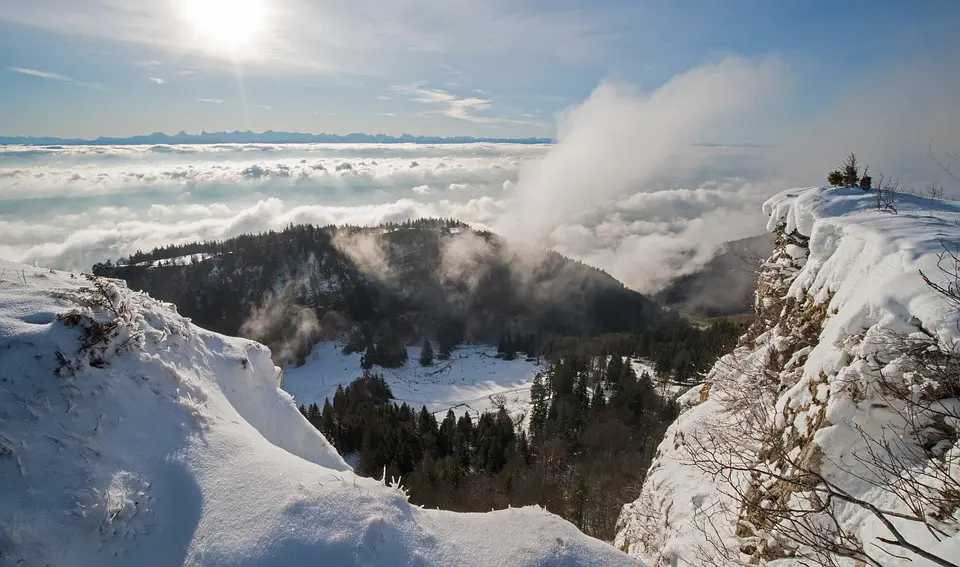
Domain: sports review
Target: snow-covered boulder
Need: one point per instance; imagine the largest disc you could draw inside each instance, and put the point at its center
(128, 436)
(820, 412)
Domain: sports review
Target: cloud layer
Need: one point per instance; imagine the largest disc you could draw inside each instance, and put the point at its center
(71, 207)
(630, 187)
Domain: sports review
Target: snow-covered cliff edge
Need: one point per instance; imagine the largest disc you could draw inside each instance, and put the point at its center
(128, 436)
(836, 413)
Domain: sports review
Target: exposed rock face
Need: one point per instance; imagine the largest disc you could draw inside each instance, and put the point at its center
(823, 408)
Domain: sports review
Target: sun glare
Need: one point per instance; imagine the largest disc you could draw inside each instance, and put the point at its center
(229, 25)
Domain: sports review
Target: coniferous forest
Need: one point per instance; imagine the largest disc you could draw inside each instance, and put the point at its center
(580, 450)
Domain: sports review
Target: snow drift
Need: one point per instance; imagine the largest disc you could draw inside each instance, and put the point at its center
(821, 386)
(128, 436)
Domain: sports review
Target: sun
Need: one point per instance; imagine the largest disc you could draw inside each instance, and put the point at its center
(229, 25)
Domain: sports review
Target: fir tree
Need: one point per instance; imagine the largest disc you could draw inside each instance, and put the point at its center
(313, 415)
(427, 431)
(327, 424)
(426, 353)
(577, 501)
(851, 172)
(445, 350)
(369, 357)
(538, 399)
(446, 435)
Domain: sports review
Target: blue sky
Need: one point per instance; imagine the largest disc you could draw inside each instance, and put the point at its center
(437, 67)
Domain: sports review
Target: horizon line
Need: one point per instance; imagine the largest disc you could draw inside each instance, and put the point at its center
(284, 137)
(266, 136)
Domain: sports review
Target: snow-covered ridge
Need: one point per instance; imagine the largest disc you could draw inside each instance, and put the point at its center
(841, 288)
(129, 436)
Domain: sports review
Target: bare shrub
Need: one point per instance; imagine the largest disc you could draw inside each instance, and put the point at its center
(105, 332)
(949, 266)
(787, 506)
(935, 191)
(887, 194)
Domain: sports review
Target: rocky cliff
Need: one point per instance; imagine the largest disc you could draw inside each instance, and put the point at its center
(829, 435)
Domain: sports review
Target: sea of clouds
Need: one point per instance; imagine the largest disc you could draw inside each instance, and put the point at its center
(70, 207)
(629, 187)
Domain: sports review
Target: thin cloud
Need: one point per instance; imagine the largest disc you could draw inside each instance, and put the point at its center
(322, 37)
(54, 77)
(211, 100)
(384, 97)
(157, 80)
(461, 108)
(264, 106)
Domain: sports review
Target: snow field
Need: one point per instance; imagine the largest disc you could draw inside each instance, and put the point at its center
(128, 436)
(472, 380)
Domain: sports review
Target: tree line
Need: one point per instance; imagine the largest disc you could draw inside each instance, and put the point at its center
(580, 448)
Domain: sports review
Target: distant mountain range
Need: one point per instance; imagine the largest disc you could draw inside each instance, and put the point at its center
(268, 137)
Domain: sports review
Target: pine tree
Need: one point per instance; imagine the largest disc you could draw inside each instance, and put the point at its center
(313, 415)
(426, 353)
(447, 434)
(851, 172)
(328, 426)
(614, 368)
(427, 431)
(502, 345)
(577, 501)
(581, 408)
(463, 441)
(538, 399)
(446, 349)
(510, 348)
(369, 357)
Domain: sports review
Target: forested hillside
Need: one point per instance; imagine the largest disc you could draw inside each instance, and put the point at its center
(391, 284)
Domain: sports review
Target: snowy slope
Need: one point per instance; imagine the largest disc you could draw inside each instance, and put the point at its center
(835, 299)
(129, 436)
(470, 381)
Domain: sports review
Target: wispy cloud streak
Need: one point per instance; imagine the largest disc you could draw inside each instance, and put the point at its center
(54, 77)
(461, 108)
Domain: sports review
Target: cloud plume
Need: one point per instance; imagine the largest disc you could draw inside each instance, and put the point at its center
(282, 321)
(608, 193)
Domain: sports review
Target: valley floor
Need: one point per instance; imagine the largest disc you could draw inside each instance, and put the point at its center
(471, 381)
